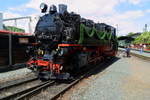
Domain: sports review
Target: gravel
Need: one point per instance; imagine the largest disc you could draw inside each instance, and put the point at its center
(126, 79)
(7, 76)
(50, 92)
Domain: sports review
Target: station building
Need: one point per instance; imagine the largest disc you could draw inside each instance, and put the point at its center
(13, 43)
(124, 41)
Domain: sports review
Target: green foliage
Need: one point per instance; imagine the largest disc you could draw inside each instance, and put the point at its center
(131, 33)
(90, 32)
(148, 46)
(118, 37)
(143, 38)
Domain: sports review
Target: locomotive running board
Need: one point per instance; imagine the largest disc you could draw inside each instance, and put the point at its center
(67, 45)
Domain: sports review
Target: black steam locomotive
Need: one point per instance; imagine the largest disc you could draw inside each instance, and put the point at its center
(65, 42)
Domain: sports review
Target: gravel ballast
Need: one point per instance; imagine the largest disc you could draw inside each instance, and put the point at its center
(16, 74)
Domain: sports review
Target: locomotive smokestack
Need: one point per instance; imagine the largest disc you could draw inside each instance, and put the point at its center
(62, 8)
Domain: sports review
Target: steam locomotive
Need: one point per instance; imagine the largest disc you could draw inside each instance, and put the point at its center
(65, 43)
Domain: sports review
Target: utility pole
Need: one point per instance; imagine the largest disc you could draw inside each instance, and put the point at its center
(145, 28)
(15, 23)
(1, 21)
(117, 30)
(10, 49)
(29, 24)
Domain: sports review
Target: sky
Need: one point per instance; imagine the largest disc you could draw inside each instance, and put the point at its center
(128, 15)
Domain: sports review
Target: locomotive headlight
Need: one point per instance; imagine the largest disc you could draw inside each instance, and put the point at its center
(43, 7)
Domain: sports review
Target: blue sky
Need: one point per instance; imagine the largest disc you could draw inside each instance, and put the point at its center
(11, 3)
(129, 15)
(126, 6)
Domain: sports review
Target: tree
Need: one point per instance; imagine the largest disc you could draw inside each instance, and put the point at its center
(143, 38)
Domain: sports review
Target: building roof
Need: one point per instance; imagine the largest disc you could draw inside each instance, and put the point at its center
(4, 32)
(135, 35)
(125, 38)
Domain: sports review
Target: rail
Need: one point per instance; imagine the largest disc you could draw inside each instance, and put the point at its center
(27, 92)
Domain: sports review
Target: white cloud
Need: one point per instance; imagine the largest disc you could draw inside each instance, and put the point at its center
(135, 2)
(80, 6)
(83, 7)
(131, 14)
(147, 11)
(124, 26)
(21, 8)
(126, 21)
(9, 14)
(95, 10)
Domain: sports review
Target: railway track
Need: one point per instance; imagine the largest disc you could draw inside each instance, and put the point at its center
(25, 94)
(14, 83)
(49, 90)
(11, 89)
(57, 90)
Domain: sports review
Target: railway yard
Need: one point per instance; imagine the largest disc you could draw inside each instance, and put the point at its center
(65, 50)
(65, 56)
(120, 78)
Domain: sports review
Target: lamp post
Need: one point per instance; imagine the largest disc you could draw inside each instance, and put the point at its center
(117, 30)
(10, 49)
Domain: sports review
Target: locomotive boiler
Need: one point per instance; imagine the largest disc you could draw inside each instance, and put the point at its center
(65, 43)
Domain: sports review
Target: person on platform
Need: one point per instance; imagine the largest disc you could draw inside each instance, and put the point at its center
(128, 51)
(141, 48)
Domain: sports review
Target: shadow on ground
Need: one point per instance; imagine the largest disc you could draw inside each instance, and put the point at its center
(92, 69)
(102, 66)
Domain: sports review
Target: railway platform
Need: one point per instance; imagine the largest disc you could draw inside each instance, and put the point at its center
(125, 79)
(138, 53)
(8, 68)
(15, 74)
